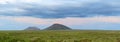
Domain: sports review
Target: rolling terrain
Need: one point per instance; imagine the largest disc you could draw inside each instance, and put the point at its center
(60, 36)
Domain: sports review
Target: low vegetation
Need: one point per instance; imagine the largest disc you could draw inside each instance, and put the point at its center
(60, 36)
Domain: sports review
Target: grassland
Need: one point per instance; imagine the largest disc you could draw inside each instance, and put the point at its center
(60, 36)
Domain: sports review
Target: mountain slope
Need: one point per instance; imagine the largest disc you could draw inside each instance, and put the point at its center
(32, 28)
(58, 27)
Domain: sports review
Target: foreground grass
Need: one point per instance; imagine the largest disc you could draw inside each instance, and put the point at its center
(60, 36)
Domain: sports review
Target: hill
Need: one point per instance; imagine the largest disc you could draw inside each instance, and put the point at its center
(58, 27)
(32, 28)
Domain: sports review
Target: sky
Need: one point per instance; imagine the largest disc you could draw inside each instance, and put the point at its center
(76, 14)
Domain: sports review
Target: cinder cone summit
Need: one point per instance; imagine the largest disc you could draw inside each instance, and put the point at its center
(58, 27)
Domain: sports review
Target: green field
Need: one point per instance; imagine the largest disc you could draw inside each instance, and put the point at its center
(60, 36)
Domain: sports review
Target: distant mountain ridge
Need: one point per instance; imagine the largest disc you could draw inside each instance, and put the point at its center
(58, 27)
(52, 27)
(32, 28)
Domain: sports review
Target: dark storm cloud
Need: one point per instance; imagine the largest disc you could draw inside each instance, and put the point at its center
(71, 9)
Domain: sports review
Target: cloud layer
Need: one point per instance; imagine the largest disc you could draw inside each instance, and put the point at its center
(84, 14)
(59, 8)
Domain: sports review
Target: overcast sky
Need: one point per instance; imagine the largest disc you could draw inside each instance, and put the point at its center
(77, 14)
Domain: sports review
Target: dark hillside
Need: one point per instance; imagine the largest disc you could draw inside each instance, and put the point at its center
(32, 28)
(58, 27)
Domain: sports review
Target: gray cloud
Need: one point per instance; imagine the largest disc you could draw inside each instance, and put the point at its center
(62, 9)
